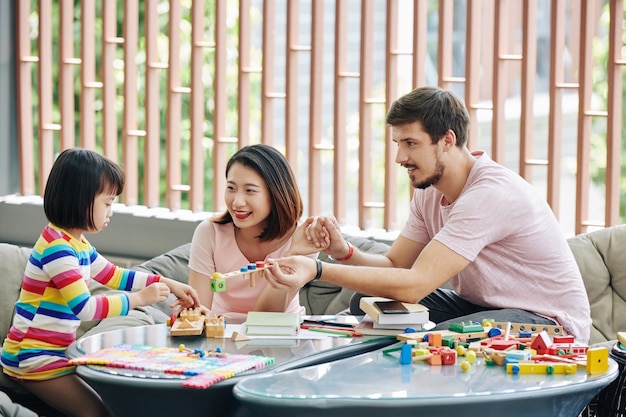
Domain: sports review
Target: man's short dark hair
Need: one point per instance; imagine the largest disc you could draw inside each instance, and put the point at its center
(437, 110)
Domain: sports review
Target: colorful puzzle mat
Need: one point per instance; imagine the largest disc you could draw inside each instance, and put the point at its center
(143, 361)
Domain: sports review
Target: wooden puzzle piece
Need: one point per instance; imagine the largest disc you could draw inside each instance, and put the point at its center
(214, 326)
(190, 322)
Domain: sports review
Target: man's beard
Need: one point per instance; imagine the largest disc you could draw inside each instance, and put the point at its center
(432, 180)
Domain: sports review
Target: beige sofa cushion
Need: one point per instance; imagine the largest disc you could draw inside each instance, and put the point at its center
(12, 265)
(601, 257)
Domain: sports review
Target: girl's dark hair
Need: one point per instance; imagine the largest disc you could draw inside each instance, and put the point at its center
(436, 109)
(285, 197)
(76, 178)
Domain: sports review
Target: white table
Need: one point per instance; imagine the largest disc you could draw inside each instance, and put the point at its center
(373, 384)
(133, 396)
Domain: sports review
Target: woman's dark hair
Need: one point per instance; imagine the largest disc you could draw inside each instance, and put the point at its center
(436, 109)
(285, 197)
(76, 178)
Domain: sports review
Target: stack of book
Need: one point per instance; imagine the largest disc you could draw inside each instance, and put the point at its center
(391, 322)
(262, 323)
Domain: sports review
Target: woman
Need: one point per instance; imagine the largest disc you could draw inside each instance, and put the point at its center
(263, 210)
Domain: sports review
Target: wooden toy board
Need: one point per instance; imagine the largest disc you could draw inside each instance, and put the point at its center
(142, 361)
(187, 328)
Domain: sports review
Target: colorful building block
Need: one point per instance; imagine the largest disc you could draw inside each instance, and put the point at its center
(466, 327)
(597, 360)
(218, 282)
(540, 368)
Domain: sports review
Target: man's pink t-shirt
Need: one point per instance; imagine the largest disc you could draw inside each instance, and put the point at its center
(214, 249)
(519, 255)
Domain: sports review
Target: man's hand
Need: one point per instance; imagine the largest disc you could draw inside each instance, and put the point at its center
(328, 228)
(290, 273)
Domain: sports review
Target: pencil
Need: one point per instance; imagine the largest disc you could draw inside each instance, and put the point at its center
(340, 333)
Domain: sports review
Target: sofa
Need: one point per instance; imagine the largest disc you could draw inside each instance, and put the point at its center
(599, 255)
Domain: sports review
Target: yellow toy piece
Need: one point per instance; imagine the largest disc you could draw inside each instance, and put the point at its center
(597, 360)
(540, 368)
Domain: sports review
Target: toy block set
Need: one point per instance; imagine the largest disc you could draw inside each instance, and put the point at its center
(250, 271)
(192, 322)
(519, 348)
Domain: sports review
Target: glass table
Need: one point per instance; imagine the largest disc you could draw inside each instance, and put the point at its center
(375, 384)
(133, 396)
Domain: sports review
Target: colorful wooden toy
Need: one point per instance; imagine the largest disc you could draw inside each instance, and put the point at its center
(250, 271)
(597, 360)
(540, 368)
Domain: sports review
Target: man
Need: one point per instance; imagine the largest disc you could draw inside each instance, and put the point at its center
(472, 222)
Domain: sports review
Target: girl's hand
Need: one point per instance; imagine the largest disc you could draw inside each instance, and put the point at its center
(177, 307)
(186, 294)
(153, 293)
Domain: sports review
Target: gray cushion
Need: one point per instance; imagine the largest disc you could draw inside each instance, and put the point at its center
(173, 265)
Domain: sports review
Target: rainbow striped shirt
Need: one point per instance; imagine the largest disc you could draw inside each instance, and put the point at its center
(55, 298)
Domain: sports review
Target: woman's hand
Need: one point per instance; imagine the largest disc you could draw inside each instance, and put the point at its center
(306, 240)
(327, 228)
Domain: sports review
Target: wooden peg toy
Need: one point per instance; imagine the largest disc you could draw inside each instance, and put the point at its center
(250, 271)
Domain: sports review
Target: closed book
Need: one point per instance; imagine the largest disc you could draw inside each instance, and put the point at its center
(416, 326)
(264, 323)
(417, 313)
(367, 327)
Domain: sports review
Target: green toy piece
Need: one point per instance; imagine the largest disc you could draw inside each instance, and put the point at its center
(465, 327)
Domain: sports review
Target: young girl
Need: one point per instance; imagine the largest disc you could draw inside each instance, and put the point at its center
(263, 209)
(55, 296)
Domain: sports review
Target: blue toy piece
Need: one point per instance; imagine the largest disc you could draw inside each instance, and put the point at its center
(493, 332)
(406, 354)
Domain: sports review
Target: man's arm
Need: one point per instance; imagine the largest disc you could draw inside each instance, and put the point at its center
(435, 265)
(402, 253)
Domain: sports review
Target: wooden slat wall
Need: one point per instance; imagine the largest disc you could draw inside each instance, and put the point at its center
(152, 144)
(614, 115)
(500, 44)
(130, 130)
